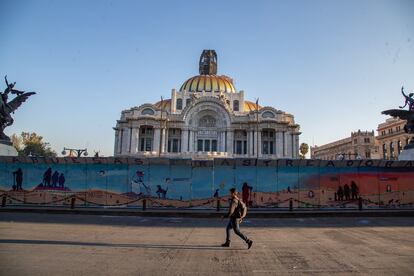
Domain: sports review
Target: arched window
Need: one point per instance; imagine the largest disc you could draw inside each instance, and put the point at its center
(207, 121)
(147, 111)
(392, 155)
(268, 114)
(235, 105)
(179, 104)
(187, 102)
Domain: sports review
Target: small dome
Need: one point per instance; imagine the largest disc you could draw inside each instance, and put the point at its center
(209, 83)
(251, 106)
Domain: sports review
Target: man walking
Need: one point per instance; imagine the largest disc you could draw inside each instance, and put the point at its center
(237, 211)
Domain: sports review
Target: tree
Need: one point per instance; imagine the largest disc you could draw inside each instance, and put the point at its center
(32, 144)
(17, 142)
(303, 148)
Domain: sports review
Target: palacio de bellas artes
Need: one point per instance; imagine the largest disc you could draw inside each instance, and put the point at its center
(207, 118)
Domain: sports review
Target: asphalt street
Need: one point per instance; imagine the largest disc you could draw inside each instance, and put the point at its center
(52, 244)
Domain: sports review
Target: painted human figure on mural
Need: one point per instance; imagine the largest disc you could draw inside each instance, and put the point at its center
(55, 179)
(61, 180)
(162, 193)
(246, 191)
(354, 190)
(347, 192)
(47, 176)
(216, 193)
(138, 186)
(340, 193)
(18, 180)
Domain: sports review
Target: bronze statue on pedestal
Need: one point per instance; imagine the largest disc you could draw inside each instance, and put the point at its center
(9, 106)
(407, 115)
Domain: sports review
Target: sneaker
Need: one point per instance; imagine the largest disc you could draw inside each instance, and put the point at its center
(226, 244)
(249, 244)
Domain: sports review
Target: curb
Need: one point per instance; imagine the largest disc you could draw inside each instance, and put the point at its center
(213, 214)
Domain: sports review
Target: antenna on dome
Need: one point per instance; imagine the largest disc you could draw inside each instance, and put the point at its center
(208, 62)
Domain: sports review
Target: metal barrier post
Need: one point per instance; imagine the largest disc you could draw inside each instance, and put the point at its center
(144, 204)
(290, 205)
(3, 201)
(360, 203)
(218, 205)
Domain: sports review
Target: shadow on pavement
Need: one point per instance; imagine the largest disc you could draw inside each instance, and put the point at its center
(123, 245)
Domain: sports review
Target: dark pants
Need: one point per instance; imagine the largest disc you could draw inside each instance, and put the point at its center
(234, 224)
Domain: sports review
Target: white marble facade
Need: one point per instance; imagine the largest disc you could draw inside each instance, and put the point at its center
(201, 124)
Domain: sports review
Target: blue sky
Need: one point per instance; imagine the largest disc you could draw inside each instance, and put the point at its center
(334, 65)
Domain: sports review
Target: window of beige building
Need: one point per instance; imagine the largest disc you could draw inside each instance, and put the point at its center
(267, 141)
(392, 154)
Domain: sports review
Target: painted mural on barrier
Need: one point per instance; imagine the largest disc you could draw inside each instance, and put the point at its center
(181, 183)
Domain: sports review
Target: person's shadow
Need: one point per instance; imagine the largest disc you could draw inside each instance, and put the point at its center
(127, 245)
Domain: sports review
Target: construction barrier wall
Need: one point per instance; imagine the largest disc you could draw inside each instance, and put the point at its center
(178, 183)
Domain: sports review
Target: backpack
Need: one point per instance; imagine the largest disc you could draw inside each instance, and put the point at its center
(241, 209)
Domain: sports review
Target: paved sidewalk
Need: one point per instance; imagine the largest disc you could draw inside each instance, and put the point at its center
(53, 244)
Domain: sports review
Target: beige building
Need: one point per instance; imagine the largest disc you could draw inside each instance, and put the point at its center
(206, 118)
(392, 138)
(360, 145)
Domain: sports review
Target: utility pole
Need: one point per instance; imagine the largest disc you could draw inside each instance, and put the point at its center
(72, 152)
(257, 128)
(161, 127)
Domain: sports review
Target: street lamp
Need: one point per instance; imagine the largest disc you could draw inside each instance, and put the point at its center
(72, 152)
(341, 156)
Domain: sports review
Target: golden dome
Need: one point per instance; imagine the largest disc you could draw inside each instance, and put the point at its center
(209, 83)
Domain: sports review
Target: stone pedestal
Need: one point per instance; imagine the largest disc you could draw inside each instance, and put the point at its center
(7, 149)
(408, 152)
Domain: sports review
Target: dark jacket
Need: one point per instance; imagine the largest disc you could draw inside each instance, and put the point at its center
(232, 208)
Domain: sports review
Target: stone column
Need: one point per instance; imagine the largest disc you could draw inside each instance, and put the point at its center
(134, 140)
(249, 143)
(116, 142)
(223, 141)
(284, 144)
(259, 137)
(156, 144)
(192, 141)
(288, 144)
(120, 138)
(230, 142)
(296, 155)
(254, 144)
(279, 144)
(125, 141)
(164, 140)
(184, 140)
